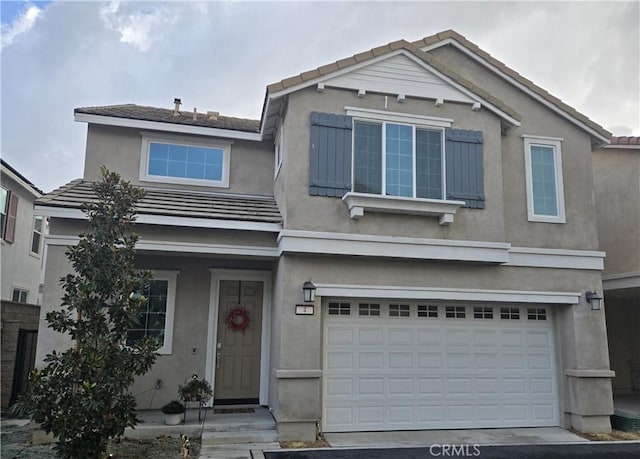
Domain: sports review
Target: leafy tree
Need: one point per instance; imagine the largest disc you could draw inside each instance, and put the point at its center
(82, 395)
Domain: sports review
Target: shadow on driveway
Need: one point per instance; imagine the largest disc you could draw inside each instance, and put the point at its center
(592, 450)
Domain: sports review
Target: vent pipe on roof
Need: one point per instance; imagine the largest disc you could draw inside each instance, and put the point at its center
(176, 110)
(213, 115)
(195, 114)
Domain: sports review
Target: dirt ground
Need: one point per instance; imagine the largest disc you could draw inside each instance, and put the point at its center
(615, 435)
(16, 444)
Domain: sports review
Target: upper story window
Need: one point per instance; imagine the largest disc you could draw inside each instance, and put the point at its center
(279, 150)
(181, 161)
(398, 160)
(36, 239)
(4, 208)
(8, 214)
(545, 189)
(403, 163)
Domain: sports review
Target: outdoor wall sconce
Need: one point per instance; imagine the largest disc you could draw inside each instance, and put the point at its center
(594, 300)
(309, 291)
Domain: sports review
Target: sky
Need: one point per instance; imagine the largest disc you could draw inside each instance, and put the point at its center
(220, 56)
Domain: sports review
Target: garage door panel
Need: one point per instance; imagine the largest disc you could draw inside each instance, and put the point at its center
(417, 373)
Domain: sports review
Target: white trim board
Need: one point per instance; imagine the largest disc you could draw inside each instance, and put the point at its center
(265, 277)
(292, 241)
(328, 243)
(77, 214)
(451, 294)
(526, 90)
(620, 281)
(20, 181)
(270, 97)
(166, 127)
(183, 247)
(556, 258)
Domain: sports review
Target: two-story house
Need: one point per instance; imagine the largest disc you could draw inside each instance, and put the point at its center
(21, 250)
(439, 203)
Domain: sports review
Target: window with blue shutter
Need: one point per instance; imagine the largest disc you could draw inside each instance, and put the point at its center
(464, 165)
(330, 163)
(395, 159)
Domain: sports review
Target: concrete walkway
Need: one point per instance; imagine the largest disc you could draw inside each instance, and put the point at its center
(519, 436)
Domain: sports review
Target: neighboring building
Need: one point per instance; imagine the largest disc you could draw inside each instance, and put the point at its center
(21, 252)
(441, 204)
(616, 174)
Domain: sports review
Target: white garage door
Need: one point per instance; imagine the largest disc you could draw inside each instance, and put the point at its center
(404, 366)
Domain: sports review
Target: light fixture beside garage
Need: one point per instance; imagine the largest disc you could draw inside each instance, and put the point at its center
(594, 300)
(309, 291)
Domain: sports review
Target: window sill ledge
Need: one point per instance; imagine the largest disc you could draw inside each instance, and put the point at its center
(359, 202)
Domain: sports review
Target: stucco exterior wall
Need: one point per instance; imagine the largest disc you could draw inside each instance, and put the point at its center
(190, 329)
(617, 190)
(251, 169)
(579, 231)
(580, 332)
(316, 213)
(20, 267)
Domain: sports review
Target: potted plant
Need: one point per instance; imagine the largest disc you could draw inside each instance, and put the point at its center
(173, 412)
(196, 390)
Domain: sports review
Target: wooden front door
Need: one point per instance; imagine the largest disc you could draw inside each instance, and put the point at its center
(238, 351)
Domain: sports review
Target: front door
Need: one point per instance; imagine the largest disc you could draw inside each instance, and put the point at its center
(238, 342)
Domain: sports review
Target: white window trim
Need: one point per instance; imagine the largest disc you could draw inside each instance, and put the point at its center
(555, 143)
(278, 151)
(396, 117)
(23, 289)
(225, 146)
(171, 277)
(415, 122)
(33, 232)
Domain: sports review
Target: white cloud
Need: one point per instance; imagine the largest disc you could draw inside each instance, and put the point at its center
(21, 24)
(221, 55)
(138, 28)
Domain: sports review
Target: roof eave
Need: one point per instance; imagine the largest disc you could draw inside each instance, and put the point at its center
(167, 127)
(598, 138)
(21, 180)
(510, 120)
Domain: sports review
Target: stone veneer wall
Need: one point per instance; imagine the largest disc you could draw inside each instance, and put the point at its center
(14, 317)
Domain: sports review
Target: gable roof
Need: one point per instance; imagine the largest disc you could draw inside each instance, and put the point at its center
(174, 203)
(309, 78)
(625, 140)
(165, 115)
(156, 118)
(456, 39)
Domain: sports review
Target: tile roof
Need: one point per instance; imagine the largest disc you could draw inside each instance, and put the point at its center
(165, 115)
(452, 34)
(381, 51)
(176, 203)
(625, 140)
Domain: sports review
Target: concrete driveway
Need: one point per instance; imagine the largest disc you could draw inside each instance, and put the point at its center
(521, 436)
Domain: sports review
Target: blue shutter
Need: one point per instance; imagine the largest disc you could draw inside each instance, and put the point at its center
(330, 155)
(465, 170)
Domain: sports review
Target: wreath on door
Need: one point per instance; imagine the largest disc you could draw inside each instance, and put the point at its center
(238, 319)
